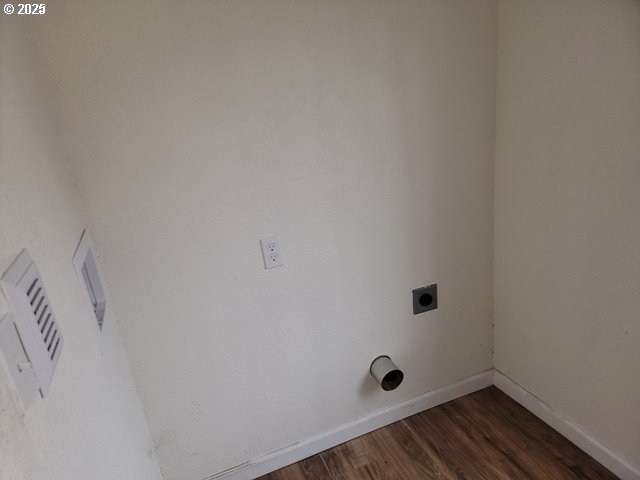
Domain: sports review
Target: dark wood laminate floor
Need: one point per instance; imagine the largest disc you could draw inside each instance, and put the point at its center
(485, 435)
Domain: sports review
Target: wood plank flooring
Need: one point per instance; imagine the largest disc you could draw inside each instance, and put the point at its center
(485, 435)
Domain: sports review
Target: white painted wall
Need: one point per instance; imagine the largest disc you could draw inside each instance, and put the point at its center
(567, 211)
(361, 132)
(91, 426)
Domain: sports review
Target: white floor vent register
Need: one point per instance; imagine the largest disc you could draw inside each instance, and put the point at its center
(34, 320)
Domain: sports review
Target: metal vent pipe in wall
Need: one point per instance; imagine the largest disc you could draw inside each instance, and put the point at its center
(386, 373)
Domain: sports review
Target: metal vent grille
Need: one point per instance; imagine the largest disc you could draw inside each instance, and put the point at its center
(34, 318)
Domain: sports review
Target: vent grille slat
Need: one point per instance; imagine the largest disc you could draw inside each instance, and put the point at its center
(46, 338)
(35, 295)
(31, 287)
(37, 309)
(45, 324)
(55, 349)
(53, 338)
(44, 311)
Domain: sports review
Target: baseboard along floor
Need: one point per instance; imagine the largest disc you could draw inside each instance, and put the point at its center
(485, 427)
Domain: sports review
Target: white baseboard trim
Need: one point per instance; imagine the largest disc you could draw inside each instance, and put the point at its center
(348, 431)
(306, 448)
(555, 420)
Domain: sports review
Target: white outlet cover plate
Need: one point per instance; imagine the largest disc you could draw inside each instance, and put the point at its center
(271, 252)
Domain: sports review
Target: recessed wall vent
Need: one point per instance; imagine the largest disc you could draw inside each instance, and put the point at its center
(34, 318)
(84, 261)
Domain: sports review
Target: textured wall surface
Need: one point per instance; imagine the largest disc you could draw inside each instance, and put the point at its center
(91, 426)
(361, 132)
(567, 211)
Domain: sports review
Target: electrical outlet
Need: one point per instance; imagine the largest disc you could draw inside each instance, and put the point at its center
(271, 252)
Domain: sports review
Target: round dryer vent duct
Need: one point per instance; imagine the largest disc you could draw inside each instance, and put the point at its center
(386, 373)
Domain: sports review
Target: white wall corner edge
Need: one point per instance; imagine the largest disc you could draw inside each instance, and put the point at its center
(348, 431)
(558, 422)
